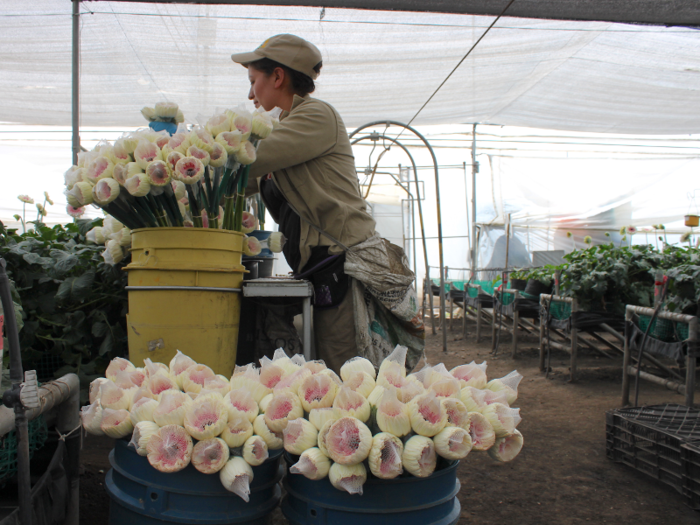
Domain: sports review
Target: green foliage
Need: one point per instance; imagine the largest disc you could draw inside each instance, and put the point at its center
(73, 304)
(685, 287)
(606, 278)
(544, 274)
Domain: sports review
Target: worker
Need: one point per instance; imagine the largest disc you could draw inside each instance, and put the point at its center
(305, 172)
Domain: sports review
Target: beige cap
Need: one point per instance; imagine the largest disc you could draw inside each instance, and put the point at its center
(289, 50)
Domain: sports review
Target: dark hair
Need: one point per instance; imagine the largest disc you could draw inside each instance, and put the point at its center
(301, 84)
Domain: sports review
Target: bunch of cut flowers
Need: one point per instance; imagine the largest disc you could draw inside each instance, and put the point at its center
(194, 177)
(384, 424)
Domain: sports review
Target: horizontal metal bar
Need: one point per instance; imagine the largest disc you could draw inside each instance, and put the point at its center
(671, 385)
(51, 394)
(642, 310)
(180, 288)
(557, 298)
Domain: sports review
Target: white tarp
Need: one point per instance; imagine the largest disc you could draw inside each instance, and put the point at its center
(587, 76)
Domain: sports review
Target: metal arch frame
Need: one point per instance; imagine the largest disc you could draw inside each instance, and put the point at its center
(420, 209)
(388, 123)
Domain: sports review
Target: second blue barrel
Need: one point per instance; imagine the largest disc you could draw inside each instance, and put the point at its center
(142, 495)
(400, 501)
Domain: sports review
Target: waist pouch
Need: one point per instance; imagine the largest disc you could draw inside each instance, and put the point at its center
(330, 283)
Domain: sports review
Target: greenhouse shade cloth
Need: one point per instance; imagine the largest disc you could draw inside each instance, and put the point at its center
(552, 74)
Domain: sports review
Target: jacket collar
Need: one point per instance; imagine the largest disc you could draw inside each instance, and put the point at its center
(295, 102)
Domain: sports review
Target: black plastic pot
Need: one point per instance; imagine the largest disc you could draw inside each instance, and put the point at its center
(252, 267)
(535, 287)
(686, 289)
(517, 284)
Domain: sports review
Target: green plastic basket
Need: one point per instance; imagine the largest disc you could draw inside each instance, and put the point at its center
(560, 310)
(459, 285)
(507, 298)
(436, 282)
(663, 329)
(8, 448)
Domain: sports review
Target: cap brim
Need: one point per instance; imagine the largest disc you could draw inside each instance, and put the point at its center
(245, 58)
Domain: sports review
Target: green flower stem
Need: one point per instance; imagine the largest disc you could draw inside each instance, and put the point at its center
(223, 185)
(119, 214)
(194, 206)
(202, 201)
(197, 221)
(231, 167)
(229, 204)
(240, 201)
(119, 208)
(210, 192)
(125, 203)
(170, 197)
(230, 200)
(164, 204)
(135, 211)
(155, 205)
(147, 212)
(217, 180)
(238, 217)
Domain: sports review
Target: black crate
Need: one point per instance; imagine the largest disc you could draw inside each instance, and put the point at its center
(690, 456)
(649, 439)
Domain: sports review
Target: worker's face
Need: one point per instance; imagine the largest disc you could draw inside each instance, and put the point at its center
(265, 90)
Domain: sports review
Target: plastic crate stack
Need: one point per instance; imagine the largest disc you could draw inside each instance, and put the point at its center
(661, 441)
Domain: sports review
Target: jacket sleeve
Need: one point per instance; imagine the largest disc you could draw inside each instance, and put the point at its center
(306, 133)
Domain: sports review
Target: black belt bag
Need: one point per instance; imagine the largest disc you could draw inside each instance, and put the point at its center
(329, 281)
(328, 277)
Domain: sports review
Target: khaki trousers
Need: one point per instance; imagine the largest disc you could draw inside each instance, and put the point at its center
(334, 332)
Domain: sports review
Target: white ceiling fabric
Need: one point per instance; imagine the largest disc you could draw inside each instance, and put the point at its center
(581, 76)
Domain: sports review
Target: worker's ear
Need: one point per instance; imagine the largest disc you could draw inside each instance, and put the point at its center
(278, 76)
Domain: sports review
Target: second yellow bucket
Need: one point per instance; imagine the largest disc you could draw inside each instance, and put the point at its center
(184, 294)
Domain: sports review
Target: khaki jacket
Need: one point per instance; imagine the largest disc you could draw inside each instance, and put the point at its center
(311, 161)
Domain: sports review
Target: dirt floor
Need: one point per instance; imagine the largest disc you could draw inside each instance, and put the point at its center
(562, 475)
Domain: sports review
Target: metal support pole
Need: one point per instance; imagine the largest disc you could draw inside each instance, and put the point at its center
(516, 322)
(412, 229)
(24, 481)
(543, 323)
(442, 259)
(626, 362)
(306, 313)
(691, 363)
(68, 420)
(11, 398)
(76, 81)
(574, 343)
(478, 318)
(475, 170)
(466, 207)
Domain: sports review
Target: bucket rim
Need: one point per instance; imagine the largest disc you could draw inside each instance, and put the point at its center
(183, 229)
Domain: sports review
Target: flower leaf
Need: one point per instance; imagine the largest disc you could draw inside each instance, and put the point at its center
(76, 288)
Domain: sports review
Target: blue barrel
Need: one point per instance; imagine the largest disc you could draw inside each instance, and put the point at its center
(400, 501)
(142, 495)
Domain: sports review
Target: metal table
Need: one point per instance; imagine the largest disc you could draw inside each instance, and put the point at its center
(286, 288)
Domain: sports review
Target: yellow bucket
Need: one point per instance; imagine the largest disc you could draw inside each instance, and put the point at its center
(184, 294)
